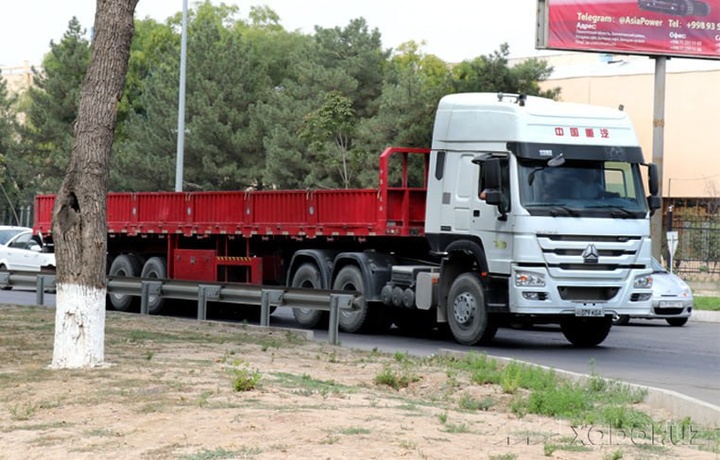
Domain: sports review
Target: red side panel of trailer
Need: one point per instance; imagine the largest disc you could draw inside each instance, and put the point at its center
(387, 210)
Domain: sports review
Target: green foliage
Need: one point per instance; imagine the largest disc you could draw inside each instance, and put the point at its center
(396, 379)
(706, 303)
(562, 401)
(220, 453)
(491, 73)
(265, 107)
(468, 403)
(52, 107)
(10, 165)
(503, 457)
(597, 401)
(329, 130)
(244, 379)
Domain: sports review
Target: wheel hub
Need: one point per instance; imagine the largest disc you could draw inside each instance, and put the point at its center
(464, 308)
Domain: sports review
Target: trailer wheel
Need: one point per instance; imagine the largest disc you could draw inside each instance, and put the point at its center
(125, 265)
(349, 278)
(586, 332)
(308, 276)
(155, 268)
(467, 316)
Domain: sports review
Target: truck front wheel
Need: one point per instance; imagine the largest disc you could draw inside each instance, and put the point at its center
(308, 276)
(466, 313)
(586, 332)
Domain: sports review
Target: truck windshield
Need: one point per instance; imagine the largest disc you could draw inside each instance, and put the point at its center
(582, 188)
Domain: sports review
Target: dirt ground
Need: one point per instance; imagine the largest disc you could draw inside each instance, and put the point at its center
(168, 393)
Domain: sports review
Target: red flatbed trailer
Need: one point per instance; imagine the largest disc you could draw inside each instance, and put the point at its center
(249, 236)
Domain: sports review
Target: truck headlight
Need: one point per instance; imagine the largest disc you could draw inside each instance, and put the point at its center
(527, 279)
(643, 282)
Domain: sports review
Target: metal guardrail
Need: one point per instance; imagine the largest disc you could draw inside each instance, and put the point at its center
(264, 296)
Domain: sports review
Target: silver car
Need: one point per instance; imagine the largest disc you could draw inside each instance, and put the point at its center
(672, 299)
(21, 250)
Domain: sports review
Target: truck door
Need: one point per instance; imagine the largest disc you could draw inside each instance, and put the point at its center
(459, 190)
(489, 224)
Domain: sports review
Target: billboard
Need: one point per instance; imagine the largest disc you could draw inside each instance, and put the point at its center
(680, 28)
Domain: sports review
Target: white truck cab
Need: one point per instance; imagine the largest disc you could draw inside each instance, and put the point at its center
(540, 206)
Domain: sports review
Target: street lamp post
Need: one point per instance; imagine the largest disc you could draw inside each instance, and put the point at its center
(179, 157)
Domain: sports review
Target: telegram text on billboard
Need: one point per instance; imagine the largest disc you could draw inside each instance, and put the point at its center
(683, 28)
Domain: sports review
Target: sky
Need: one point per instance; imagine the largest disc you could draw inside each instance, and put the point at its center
(453, 30)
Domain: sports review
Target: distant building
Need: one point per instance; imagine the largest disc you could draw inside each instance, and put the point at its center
(692, 111)
(18, 78)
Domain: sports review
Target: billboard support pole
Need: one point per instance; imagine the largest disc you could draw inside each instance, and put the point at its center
(656, 221)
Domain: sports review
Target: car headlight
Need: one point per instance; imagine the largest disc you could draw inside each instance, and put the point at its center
(527, 279)
(643, 282)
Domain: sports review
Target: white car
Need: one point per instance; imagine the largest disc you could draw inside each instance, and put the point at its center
(21, 250)
(672, 299)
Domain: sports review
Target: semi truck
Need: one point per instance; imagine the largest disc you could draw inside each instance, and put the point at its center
(524, 211)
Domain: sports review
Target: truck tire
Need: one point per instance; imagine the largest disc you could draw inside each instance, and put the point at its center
(350, 278)
(586, 332)
(308, 276)
(155, 268)
(367, 317)
(466, 313)
(125, 265)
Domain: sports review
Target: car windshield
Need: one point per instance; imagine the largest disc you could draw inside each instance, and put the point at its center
(6, 234)
(582, 188)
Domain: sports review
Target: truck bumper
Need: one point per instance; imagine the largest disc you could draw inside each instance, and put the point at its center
(581, 294)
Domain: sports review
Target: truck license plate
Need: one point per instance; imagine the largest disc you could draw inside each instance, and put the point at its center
(589, 311)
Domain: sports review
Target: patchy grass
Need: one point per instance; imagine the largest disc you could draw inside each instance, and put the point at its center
(176, 388)
(706, 303)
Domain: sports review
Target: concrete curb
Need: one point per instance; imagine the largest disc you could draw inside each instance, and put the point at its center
(679, 405)
(705, 316)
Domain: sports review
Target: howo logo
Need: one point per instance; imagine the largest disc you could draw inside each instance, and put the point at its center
(590, 255)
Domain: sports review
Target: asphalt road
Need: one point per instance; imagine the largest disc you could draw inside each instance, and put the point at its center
(683, 359)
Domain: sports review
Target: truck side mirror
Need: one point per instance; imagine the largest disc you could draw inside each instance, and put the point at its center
(653, 179)
(654, 202)
(493, 197)
(493, 185)
(491, 179)
(492, 174)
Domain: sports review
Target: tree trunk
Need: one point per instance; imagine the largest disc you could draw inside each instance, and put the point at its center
(79, 216)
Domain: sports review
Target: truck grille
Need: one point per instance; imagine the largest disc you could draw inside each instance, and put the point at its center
(590, 294)
(597, 253)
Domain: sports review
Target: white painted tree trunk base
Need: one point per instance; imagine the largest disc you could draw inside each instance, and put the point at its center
(79, 327)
